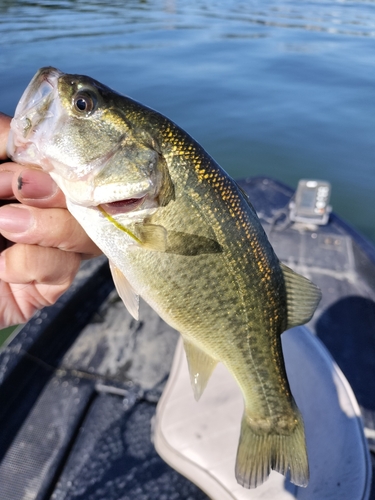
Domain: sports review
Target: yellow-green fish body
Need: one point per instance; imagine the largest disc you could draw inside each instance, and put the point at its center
(179, 232)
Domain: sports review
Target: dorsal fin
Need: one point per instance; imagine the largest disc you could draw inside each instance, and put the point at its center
(201, 365)
(125, 291)
(302, 297)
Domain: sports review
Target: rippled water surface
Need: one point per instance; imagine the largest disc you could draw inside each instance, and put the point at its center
(279, 88)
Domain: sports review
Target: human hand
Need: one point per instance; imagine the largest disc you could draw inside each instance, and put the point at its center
(41, 243)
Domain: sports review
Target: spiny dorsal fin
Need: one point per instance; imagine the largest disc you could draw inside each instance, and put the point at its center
(302, 297)
(201, 365)
(125, 291)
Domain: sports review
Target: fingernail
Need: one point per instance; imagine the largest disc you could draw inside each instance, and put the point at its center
(34, 184)
(6, 184)
(15, 219)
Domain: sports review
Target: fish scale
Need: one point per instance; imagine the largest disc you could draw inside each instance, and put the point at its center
(238, 263)
(179, 232)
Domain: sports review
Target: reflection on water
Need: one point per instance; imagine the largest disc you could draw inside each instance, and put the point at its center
(282, 88)
(35, 21)
(337, 17)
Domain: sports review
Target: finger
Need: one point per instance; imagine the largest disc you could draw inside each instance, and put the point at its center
(34, 187)
(4, 132)
(30, 186)
(22, 264)
(33, 277)
(19, 302)
(53, 227)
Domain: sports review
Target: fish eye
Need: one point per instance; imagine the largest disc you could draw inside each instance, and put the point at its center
(84, 102)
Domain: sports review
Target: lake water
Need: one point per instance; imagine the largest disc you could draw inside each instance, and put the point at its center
(278, 88)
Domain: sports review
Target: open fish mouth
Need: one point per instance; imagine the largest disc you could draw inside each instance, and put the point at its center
(122, 206)
(34, 107)
(36, 100)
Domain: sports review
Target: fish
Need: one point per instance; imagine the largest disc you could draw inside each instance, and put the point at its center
(180, 233)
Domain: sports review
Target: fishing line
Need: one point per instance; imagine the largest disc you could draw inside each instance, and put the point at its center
(118, 225)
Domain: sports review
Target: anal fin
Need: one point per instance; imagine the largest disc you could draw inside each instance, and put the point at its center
(201, 365)
(125, 291)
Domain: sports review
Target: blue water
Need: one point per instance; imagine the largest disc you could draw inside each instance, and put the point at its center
(279, 88)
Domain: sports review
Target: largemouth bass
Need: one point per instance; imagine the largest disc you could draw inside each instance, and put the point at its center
(179, 232)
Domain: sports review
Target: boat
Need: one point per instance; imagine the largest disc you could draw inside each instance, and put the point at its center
(85, 396)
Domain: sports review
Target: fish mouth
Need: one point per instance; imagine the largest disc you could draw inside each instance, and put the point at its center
(35, 101)
(122, 206)
(39, 92)
(33, 108)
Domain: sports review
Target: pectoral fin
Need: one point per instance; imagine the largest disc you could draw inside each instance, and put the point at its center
(125, 291)
(151, 236)
(302, 297)
(201, 365)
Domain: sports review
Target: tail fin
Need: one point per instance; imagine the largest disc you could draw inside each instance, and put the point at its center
(257, 454)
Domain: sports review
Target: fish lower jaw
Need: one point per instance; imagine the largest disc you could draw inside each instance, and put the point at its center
(25, 153)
